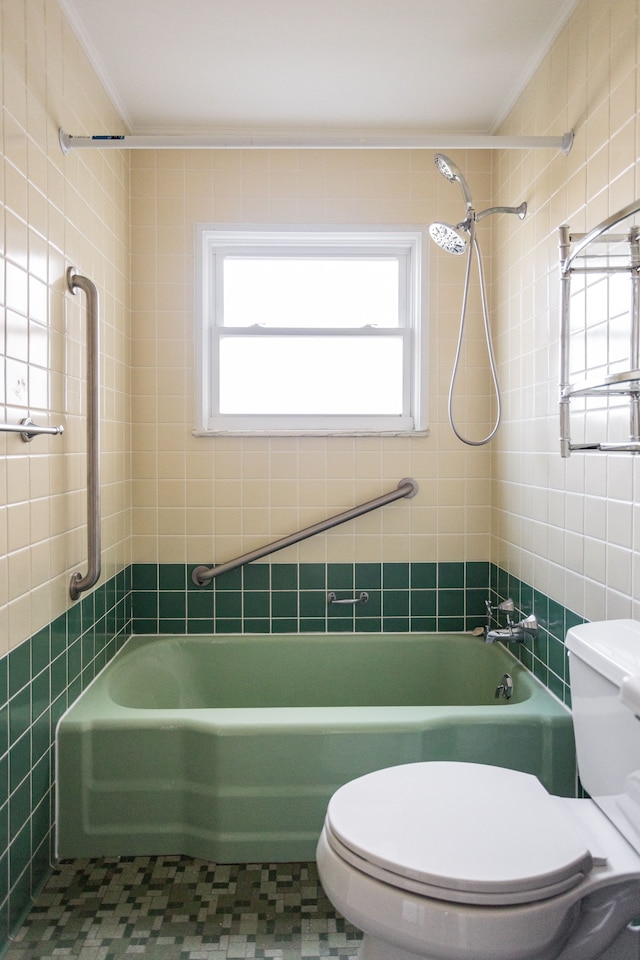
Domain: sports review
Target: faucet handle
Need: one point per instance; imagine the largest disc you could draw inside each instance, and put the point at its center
(530, 625)
(507, 606)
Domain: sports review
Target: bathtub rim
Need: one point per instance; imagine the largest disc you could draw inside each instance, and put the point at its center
(540, 699)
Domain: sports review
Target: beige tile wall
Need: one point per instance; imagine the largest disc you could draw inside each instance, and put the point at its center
(56, 211)
(569, 527)
(210, 499)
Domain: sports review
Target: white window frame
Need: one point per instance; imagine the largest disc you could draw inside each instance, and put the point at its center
(213, 241)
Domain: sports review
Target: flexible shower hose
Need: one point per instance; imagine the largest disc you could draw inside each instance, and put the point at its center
(473, 245)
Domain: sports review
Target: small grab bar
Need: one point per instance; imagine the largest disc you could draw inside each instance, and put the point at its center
(363, 598)
(406, 488)
(28, 429)
(79, 583)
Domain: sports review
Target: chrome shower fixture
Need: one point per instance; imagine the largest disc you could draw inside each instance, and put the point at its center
(453, 240)
(448, 169)
(521, 211)
(443, 233)
(448, 237)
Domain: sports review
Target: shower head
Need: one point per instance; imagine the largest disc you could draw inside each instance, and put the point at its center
(448, 169)
(448, 237)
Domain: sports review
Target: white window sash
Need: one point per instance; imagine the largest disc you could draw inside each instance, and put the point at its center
(353, 333)
(214, 245)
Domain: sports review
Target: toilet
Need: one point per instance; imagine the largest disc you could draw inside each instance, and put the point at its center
(464, 861)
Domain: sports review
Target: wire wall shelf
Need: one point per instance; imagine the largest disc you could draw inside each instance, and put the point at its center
(600, 335)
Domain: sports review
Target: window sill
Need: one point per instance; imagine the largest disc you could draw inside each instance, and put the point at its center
(311, 433)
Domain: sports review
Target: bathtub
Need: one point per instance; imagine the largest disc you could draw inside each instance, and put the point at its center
(228, 748)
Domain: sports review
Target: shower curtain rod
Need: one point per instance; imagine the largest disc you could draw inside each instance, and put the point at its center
(311, 141)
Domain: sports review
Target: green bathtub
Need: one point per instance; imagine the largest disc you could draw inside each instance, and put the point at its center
(229, 748)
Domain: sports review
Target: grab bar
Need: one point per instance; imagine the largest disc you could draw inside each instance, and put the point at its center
(78, 582)
(406, 488)
(28, 429)
(363, 598)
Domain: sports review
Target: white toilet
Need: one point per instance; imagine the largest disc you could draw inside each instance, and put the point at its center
(463, 861)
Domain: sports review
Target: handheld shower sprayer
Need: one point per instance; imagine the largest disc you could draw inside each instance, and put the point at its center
(448, 169)
(452, 239)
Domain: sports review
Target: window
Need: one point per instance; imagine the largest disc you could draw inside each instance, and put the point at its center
(309, 331)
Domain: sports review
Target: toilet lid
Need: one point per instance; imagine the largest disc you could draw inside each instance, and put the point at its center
(458, 831)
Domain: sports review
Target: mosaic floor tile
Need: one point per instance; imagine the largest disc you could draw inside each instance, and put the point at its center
(176, 908)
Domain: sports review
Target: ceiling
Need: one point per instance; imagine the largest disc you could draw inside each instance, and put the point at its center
(205, 66)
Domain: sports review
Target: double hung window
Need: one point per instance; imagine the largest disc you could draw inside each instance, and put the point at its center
(313, 331)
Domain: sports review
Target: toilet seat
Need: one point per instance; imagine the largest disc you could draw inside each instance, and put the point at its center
(468, 833)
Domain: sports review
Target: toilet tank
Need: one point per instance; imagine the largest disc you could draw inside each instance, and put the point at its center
(604, 668)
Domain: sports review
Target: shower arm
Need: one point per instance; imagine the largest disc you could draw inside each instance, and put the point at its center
(521, 211)
(473, 217)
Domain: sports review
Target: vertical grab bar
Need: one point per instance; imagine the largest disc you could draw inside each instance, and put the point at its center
(634, 346)
(78, 582)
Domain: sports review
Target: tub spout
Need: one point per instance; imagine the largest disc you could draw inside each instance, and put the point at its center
(527, 629)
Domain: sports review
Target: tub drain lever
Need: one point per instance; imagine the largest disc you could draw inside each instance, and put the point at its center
(332, 598)
(505, 689)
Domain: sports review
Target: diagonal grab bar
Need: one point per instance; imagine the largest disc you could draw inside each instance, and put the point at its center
(406, 488)
(78, 582)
